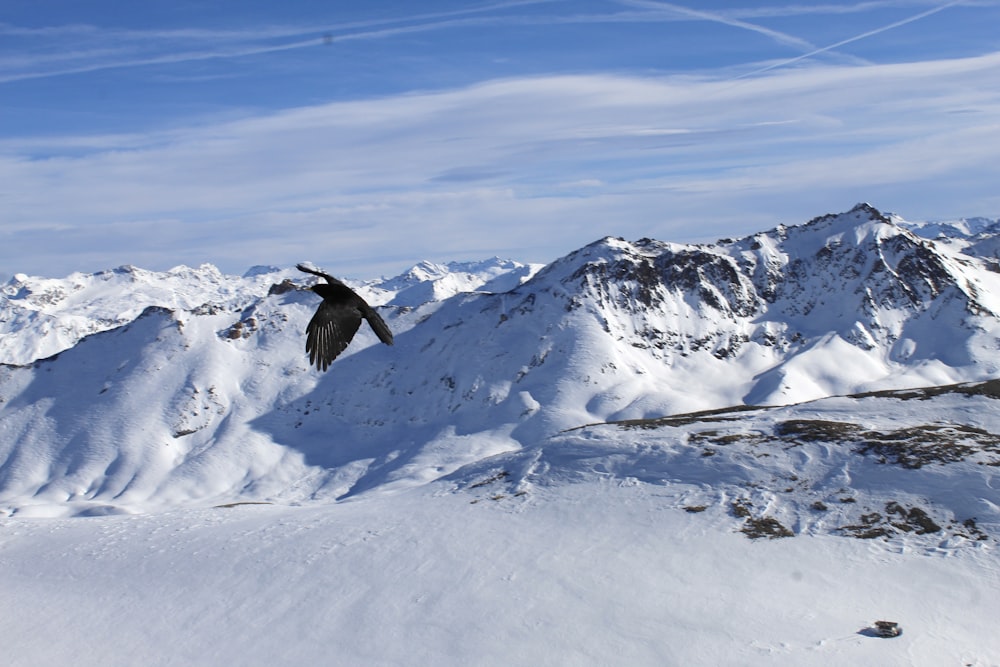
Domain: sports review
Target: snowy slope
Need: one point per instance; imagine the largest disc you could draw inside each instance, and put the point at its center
(40, 317)
(918, 464)
(522, 478)
(737, 537)
(604, 572)
(427, 281)
(974, 236)
(215, 402)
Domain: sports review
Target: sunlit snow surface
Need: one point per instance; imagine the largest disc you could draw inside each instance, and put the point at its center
(178, 486)
(598, 573)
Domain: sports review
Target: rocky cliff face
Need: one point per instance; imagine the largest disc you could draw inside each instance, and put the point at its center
(858, 275)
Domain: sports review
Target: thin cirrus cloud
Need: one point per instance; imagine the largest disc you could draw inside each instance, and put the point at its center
(139, 48)
(646, 146)
(528, 166)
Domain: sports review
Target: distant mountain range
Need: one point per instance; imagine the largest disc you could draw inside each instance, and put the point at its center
(130, 390)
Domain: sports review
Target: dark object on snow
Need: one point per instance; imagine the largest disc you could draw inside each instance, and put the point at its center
(887, 629)
(337, 320)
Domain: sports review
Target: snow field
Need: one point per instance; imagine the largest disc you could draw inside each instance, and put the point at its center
(596, 573)
(442, 501)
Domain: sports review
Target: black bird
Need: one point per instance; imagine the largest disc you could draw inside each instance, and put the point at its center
(337, 320)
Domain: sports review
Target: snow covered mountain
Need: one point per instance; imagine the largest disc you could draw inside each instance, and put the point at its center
(40, 317)
(643, 453)
(130, 391)
(973, 236)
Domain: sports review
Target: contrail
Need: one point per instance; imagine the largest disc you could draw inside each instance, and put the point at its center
(849, 40)
(718, 18)
(417, 23)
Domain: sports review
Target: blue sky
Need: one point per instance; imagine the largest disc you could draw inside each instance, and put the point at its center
(368, 136)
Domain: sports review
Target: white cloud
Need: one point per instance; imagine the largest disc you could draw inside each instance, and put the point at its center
(378, 184)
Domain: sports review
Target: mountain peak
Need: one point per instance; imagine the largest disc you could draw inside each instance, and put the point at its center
(487, 360)
(861, 212)
(864, 208)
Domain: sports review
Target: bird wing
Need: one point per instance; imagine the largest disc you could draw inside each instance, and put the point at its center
(330, 330)
(337, 319)
(316, 272)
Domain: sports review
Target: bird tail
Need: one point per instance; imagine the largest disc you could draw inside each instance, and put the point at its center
(378, 325)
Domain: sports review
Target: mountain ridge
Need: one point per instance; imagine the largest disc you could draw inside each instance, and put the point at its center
(208, 398)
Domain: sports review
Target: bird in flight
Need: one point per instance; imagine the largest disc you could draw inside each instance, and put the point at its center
(337, 320)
